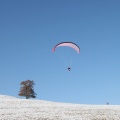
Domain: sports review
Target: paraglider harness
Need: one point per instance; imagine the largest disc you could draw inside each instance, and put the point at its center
(69, 68)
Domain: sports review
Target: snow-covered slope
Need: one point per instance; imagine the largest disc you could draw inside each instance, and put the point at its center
(12, 108)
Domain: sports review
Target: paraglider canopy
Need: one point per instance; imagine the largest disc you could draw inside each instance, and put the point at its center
(69, 44)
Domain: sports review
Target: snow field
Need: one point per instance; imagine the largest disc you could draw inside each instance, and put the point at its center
(12, 108)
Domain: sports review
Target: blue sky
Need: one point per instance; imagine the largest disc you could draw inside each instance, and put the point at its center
(28, 31)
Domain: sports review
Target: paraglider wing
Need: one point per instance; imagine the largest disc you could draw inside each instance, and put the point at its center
(69, 44)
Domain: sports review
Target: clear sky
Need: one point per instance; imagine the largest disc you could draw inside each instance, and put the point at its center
(28, 31)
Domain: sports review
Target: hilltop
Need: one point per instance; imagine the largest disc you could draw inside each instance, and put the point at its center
(12, 108)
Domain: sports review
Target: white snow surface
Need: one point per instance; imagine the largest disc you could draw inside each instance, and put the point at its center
(12, 108)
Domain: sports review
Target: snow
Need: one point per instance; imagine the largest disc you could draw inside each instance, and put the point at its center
(12, 108)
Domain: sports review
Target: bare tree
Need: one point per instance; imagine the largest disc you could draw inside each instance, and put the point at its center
(27, 89)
